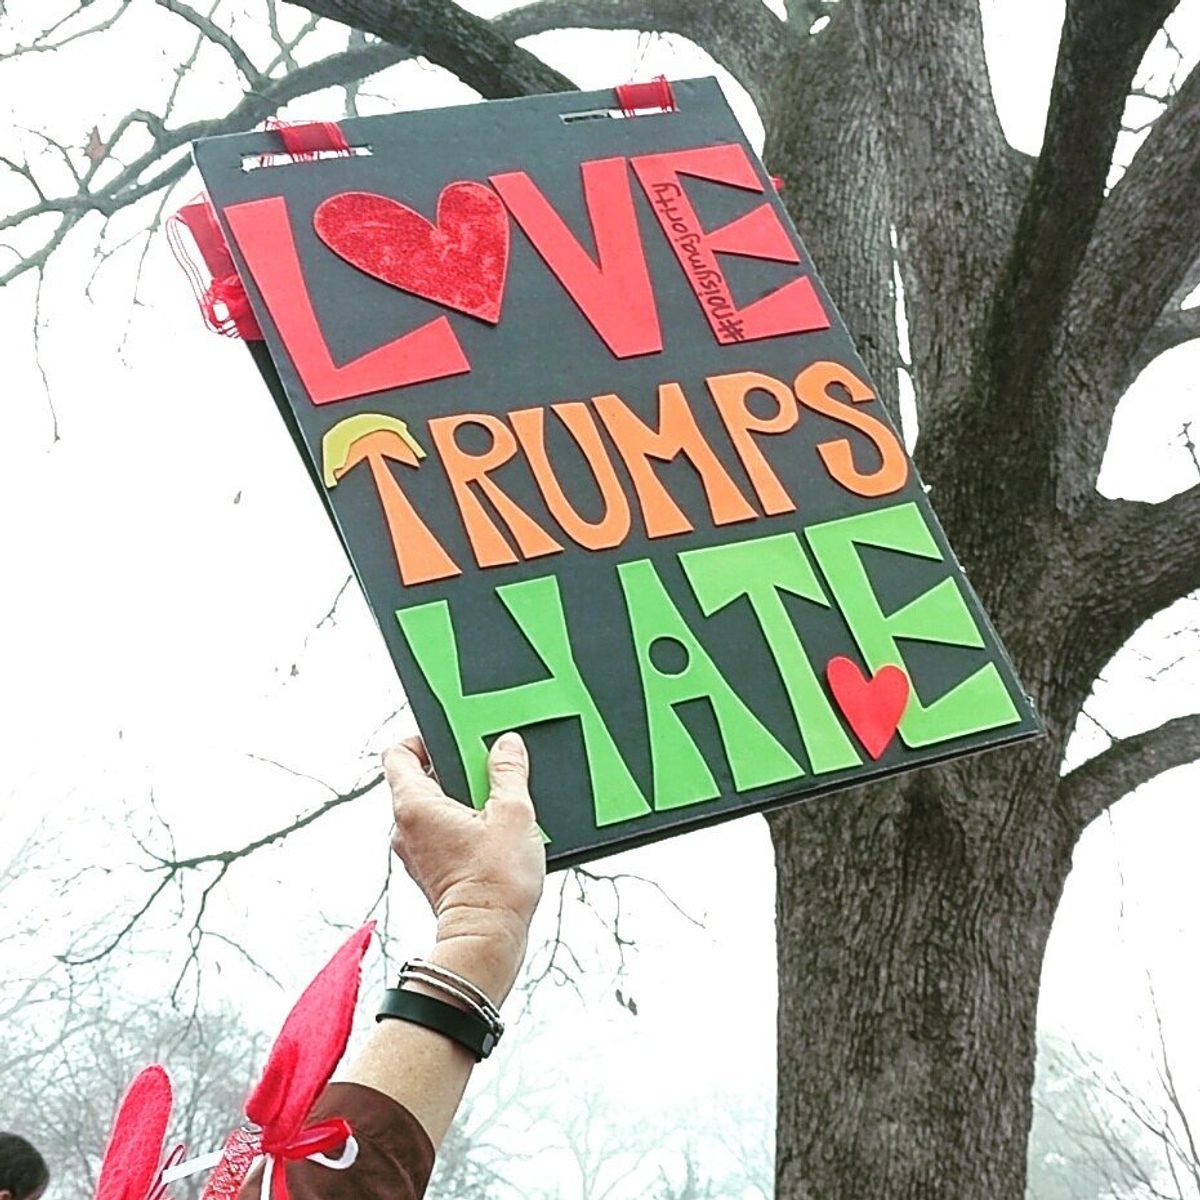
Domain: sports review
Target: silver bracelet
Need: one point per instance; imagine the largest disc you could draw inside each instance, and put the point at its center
(442, 979)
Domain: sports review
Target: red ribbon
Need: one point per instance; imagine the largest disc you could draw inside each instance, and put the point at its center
(159, 1190)
(304, 142)
(313, 1139)
(658, 93)
(228, 294)
(223, 301)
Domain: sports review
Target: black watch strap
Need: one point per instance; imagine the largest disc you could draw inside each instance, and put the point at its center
(463, 1027)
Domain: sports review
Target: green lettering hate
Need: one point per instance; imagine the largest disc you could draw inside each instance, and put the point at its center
(760, 570)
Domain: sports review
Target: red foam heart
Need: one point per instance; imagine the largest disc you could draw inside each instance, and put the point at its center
(461, 262)
(872, 706)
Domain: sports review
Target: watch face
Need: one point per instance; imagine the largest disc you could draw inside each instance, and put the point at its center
(488, 1044)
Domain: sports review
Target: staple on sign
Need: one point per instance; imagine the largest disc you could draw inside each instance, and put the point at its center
(594, 114)
(281, 158)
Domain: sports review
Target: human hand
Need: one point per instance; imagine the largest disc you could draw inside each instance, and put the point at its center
(481, 871)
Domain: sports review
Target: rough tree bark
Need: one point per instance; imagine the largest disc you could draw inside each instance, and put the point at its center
(913, 915)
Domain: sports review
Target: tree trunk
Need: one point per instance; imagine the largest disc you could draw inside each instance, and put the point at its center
(912, 916)
(911, 927)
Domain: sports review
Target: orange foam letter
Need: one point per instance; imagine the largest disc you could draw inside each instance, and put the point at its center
(612, 529)
(491, 549)
(812, 390)
(375, 438)
(677, 433)
(730, 393)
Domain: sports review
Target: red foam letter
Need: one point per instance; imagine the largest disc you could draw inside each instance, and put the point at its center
(759, 233)
(614, 293)
(263, 233)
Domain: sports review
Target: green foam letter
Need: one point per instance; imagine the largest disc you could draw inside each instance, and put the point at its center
(681, 776)
(760, 570)
(536, 606)
(940, 615)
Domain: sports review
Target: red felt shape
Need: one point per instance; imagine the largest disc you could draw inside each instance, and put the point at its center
(133, 1157)
(309, 1047)
(460, 262)
(759, 233)
(262, 230)
(658, 93)
(873, 707)
(613, 291)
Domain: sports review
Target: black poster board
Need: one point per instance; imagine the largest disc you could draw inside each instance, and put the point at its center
(606, 463)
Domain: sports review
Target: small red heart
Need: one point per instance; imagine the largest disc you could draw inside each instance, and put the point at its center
(873, 707)
(460, 262)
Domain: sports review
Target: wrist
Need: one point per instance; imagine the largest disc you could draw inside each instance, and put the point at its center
(482, 947)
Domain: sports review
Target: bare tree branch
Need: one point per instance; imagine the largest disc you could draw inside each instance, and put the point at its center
(744, 36)
(1175, 325)
(1102, 44)
(804, 14)
(1128, 763)
(227, 857)
(45, 41)
(945, 153)
(1135, 560)
(446, 34)
(131, 184)
(1146, 238)
(1172, 329)
(171, 870)
(219, 37)
(845, 207)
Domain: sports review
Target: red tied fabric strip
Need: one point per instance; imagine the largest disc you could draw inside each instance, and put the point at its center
(314, 1139)
(222, 300)
(304, 142)
(658, 94)
(228, 294)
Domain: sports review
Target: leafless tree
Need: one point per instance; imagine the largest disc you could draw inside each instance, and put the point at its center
(66, 1098)
(32, 994)
(1137, 1137)
(541, 1127)
(912, 915)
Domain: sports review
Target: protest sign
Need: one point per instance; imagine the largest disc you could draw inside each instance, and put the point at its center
(605, 460)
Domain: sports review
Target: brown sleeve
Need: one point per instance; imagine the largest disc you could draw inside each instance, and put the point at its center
(395, 1155)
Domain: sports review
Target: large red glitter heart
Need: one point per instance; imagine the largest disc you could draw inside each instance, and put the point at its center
(460, 262)
(873, 707)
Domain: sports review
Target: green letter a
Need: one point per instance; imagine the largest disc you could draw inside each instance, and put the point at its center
(681, 776)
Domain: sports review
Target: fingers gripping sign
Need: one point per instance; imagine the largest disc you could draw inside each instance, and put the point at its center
(481, 870)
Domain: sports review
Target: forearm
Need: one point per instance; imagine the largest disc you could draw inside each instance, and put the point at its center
(426, 1071)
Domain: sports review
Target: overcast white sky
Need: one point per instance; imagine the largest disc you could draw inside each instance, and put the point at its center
(167, 565)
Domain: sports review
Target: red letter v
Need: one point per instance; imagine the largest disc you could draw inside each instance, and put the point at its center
(614, 293)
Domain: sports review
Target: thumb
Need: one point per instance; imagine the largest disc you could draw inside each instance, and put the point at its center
(508, 771)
